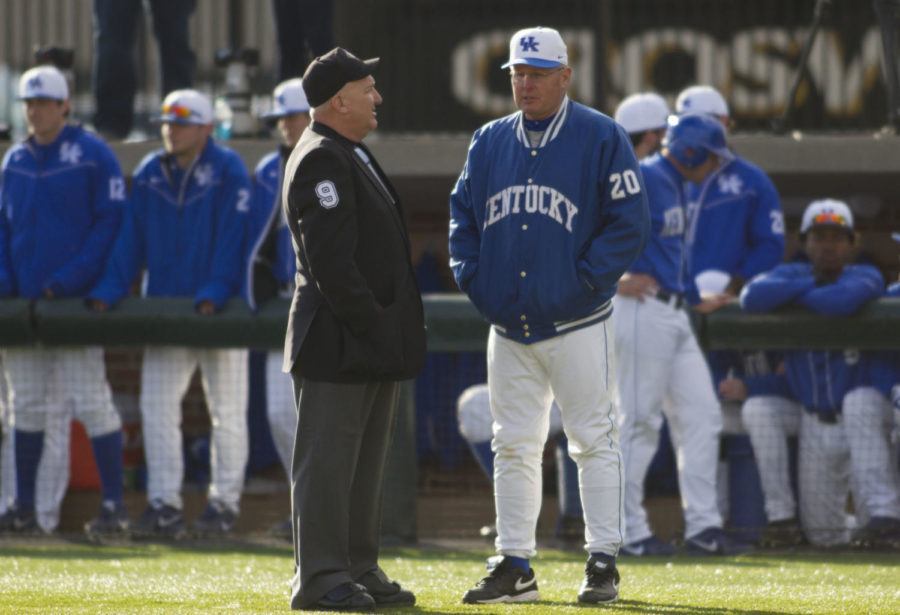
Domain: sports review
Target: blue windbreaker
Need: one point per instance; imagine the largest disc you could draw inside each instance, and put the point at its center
(190, 236)
(735, 221)
(817, 379)
(540, 235)
(265, 213)
(664, 256)
(60, 209)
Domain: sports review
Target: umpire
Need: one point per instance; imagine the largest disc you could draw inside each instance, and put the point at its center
(356, 329)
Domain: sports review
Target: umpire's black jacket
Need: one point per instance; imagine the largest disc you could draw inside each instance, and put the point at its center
(357, 313)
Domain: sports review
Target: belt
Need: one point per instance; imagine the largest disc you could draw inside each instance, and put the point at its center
(676, 300)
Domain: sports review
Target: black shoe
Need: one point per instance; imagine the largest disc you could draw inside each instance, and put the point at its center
(112, 521)
(348, 597)
(217, 520)
(879, 532)
(158, 521)
(504, 583)
(18, 520)
(781, 534)
(651, 545)
(385, 591)
(283, 530)
(714, 541)
(601, 582)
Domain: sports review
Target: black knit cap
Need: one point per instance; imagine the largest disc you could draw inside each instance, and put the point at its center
(327, 74)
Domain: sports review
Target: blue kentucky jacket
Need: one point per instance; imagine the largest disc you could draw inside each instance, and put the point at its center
(186, 227)
(60, 209)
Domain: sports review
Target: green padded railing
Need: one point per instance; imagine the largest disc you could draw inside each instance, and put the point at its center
(454, 325)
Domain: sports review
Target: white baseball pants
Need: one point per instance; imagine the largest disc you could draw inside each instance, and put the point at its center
(578, 370)
(165, 377)
(281, 409)
(769, 421)
(662, 370)
(46, 387)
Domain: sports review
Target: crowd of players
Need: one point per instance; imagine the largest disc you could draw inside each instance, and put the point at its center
(201, 227)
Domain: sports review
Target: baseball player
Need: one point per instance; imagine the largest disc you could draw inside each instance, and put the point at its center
(736, 231)
(644, 116)
(473, 411)
(657, 352)
(844, 424)
(271, 262)
(61, 205)
(547, 214)
(185, 222)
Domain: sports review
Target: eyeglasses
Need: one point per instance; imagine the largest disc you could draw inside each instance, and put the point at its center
(829, 218)
(518, 77)
(179, 111)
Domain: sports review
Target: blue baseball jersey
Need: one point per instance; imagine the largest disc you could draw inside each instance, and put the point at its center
(817, 379)
(884, 367)
(186, 227)
(60, 208)
(664, 256)
(735, 221)
(539, 234)
(267, 223)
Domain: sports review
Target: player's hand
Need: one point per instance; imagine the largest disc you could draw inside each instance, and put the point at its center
(733, 389)
(637, 285)
(711, 303)
(206, 307)
(98, 305)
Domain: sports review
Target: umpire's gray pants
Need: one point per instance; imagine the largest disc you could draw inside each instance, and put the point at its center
(340, 450)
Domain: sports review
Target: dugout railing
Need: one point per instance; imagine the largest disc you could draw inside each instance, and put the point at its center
(454, 325)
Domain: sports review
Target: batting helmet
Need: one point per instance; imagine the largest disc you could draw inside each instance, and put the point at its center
(691, 137)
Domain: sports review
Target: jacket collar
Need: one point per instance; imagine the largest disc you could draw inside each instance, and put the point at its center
(552, 130)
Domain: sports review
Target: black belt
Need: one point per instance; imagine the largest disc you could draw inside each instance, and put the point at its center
(676, 300)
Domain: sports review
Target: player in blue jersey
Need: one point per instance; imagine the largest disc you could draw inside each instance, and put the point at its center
(271, 262)
(185, 222)
(547, 214)
(658, 355)
(843, 431)
(60, 208)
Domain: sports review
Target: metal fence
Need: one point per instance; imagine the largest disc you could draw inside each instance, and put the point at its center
(440, 69)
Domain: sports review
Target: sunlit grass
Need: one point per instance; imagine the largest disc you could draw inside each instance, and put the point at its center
(249, 578)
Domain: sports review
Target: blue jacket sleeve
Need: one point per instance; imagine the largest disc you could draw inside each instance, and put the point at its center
(766, 232)
(781, 286)
(231, 231)
(856, 286)
(465, 236)
(625, 225)
(128, 252)
(7, 281)
(82, 272)
(769, 384)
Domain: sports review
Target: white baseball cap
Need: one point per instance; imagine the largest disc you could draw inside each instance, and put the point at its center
(43, 82)
(539, 47)
(701, 99)
(289, 98)
(186, 107)
(642, 112)
(827, 212)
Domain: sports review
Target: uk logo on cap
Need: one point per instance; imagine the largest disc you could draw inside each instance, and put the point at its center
(43, 82)
(540, 47)
(289, 98)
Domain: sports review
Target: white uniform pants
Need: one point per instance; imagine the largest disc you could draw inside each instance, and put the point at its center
(46, 387)
(769, 421)
(165, 378)
(578, 370)
(281, 410)
(662, 370)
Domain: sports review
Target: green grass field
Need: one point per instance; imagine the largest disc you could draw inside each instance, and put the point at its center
(62, 577)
